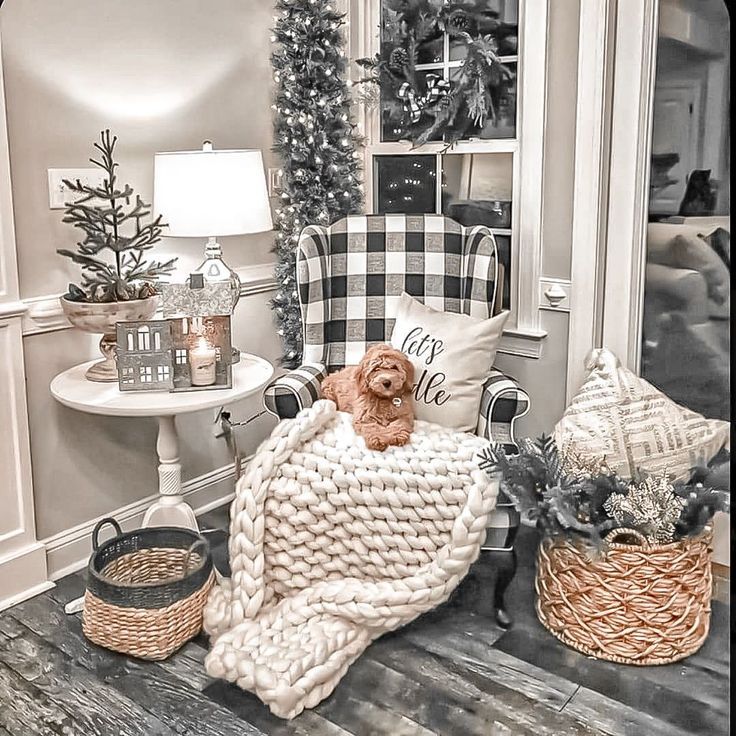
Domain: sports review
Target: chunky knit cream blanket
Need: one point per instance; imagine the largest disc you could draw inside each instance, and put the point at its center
(332, 545)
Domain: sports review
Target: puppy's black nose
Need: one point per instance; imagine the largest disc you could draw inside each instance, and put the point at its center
(387, 384)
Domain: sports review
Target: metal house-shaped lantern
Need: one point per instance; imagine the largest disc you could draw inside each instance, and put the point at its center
(189, 350)
(144, 356)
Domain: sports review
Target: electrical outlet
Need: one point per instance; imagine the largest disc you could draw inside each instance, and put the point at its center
(274, 182)
(216, 425)
(59, 194)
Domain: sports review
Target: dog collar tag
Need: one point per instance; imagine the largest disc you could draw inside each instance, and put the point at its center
(396, 401)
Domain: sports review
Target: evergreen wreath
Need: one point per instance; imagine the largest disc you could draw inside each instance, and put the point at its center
(316, 140)
(432, 108)
(566, 496)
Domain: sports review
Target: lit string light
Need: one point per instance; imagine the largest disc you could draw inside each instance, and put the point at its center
(315, 138)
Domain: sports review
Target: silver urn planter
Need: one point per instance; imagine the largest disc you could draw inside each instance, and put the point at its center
(101, 317)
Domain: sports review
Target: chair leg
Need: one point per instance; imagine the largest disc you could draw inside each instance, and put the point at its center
(504, 561)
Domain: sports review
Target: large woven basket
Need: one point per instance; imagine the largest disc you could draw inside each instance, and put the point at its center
(636, 604)
(146, 590)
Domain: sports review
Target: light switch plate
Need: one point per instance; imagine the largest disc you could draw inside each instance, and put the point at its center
(274, 182)
(59, 195)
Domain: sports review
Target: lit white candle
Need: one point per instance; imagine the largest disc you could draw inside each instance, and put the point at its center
(202, 363)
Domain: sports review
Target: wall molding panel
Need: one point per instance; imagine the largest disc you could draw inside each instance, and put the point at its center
(69, 551)
(555, 294)
(43, 314)
(19, 575)
(525, 343)
(22, 561)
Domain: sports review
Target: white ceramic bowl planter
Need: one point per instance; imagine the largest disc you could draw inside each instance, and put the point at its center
(96, 317)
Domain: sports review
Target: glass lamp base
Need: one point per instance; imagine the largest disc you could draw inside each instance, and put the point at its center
(215, 270)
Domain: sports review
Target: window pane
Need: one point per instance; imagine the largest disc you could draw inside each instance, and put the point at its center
(476, 190)
(407, 105)
(405, 184)
(431, 49)
(498, 19)
(500, 119)
(478, 187)
(392, 119)
(686, 315)
(405, 117)
(392, 50)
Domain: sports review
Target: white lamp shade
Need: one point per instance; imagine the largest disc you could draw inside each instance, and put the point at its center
(211, 193)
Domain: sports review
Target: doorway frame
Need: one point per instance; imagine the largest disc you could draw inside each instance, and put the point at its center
(615, 102)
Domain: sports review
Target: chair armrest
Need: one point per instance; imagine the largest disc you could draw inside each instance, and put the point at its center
(296, 390)
(502, 402)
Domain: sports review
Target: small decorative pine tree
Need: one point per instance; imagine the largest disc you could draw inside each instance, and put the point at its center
(315, 138)
(117, 227)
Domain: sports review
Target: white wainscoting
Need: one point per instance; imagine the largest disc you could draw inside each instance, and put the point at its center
(22, 558)
(27, 565)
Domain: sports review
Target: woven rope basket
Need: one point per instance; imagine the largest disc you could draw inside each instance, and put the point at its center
(637, 604)
(146, 590)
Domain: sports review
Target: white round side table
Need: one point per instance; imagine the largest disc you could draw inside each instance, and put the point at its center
(72, 389)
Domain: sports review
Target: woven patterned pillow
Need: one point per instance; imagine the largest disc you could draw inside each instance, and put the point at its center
(620, 416)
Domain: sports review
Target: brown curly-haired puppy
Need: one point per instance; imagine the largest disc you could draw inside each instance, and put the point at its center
(378, 393)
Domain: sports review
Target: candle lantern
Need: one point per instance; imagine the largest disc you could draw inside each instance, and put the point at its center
(189, 350)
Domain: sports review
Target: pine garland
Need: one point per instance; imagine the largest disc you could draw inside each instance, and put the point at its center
(316, 140)
(566, 496)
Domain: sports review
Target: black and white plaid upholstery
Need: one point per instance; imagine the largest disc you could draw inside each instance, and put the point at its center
(501, 403)
(295, 390)
(352, 274)
(350, 278)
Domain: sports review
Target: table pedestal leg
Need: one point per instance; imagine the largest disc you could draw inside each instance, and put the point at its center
(170, 509)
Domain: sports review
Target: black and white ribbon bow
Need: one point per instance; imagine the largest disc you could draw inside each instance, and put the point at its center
(414, 103)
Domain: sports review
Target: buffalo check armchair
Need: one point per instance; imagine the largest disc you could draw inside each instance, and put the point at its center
(350, 277)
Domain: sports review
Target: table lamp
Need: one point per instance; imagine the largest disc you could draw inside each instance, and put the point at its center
(211, 193)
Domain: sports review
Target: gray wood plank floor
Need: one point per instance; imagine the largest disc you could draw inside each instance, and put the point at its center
(452, 672)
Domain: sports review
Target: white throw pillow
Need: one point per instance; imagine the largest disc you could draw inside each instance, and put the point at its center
(452, 356)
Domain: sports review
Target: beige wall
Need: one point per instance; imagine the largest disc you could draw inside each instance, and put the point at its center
(162, 75)
(165, 75)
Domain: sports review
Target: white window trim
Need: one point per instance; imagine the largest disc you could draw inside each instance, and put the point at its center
(616, 66)
(591, 186)
(631, 132)
(524, 334)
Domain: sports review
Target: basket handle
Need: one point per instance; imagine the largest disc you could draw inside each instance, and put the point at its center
(625, 531)
(194, 547)
(99, 525)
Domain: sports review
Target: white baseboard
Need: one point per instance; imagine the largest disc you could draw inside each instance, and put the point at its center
(23, 575)
(69, 551)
